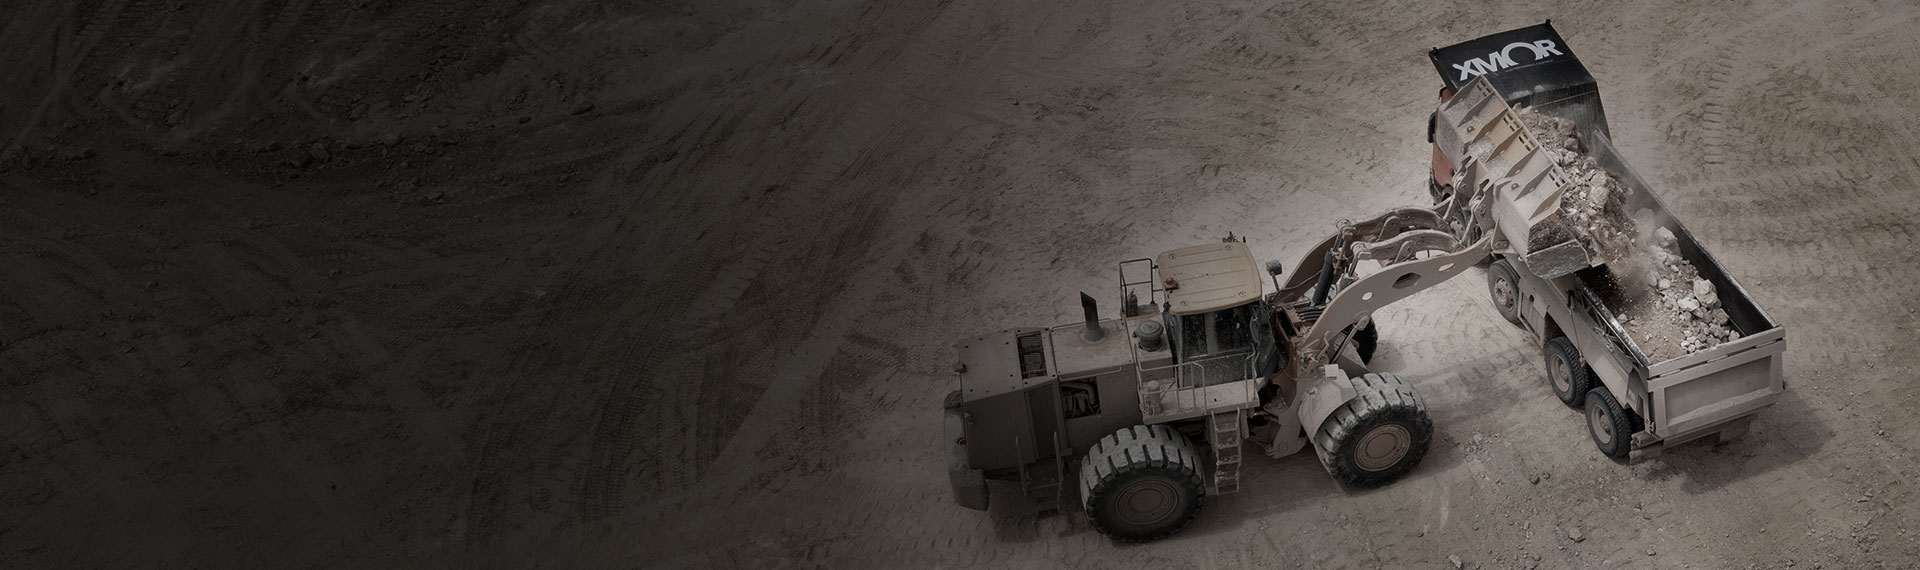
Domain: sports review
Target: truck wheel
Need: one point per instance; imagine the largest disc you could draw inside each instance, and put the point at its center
(1504, 287)
(1439, 193)
(1376, 437)
(1141, 483)
(1607, 423)
(1567, 372)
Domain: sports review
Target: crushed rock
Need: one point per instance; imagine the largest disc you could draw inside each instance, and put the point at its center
(1662, 301)
(1596, 205)
(1659, 297)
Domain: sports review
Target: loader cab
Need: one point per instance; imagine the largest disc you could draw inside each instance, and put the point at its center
(1217, 323)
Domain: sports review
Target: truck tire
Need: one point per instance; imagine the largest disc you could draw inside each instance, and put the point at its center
(1378, 436)
(1567, 372)
(1608, 424)
(1141, 483)
(1503, 286)
(1439, 192)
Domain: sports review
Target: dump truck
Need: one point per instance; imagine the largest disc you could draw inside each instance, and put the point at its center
(1139, 416)
(1635, 406)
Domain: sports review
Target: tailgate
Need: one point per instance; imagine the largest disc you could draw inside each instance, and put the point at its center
(1705, 389)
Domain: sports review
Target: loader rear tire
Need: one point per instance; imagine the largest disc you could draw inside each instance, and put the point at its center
(1608, 424)
(1503, 285)
(1378, 436)
(1141, 483)
(1567, 372)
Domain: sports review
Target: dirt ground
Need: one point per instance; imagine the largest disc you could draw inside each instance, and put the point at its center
(593, 284)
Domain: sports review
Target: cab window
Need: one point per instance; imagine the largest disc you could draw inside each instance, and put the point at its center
(1217, 333)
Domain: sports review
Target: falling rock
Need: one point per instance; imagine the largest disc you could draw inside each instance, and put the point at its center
(1573, 533)
(1688, 304)
(319, 152)
(1666, 283)
(1664, 237)
(1455, 560)
(582, 107)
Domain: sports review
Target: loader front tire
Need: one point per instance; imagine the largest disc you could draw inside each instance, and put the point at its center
(1503, 285)
(1141, 483)
(1378, 436)
(1567, 372)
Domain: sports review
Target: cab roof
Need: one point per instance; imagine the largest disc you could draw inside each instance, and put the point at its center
(1206, 278)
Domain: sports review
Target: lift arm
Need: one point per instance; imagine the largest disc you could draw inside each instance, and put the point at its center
(1507, 200)
(1402, 274)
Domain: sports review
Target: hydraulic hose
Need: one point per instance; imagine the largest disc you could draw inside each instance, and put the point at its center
(1326, 279)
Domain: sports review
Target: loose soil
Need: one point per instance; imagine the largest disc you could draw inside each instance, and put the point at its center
(675, 285)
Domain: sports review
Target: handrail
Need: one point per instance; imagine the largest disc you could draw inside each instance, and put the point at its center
(1153, 395)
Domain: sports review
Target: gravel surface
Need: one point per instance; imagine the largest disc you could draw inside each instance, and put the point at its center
(675, 285)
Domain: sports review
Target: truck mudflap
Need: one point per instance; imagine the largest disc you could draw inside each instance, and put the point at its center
(969, 484)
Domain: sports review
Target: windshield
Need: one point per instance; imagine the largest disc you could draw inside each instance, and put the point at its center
(1222, 332)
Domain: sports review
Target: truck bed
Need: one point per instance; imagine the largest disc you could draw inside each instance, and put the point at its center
(1689, 394)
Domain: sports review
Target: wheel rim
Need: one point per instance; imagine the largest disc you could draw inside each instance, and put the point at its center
(1560, 373)
(1146, 502)
(1382, 447)
(1598, 422)
(1503, 293)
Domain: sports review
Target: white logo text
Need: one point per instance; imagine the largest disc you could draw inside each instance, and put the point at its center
(1503, 59)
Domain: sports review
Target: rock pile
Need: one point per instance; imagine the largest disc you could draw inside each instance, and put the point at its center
(1673, 312)
(1689, 301)
(1596, 205)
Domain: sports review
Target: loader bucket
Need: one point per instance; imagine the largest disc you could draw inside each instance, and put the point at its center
(1515, 187)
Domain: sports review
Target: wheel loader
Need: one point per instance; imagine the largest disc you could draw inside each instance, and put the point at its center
(1141, 415)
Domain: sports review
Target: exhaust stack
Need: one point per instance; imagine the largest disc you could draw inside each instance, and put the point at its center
(1093, 333)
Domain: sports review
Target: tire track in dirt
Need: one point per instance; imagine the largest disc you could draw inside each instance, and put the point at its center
(1714, 114)
(67, 60)
(617, 439)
